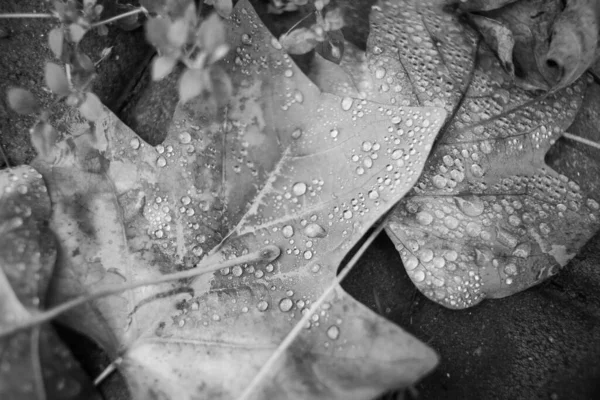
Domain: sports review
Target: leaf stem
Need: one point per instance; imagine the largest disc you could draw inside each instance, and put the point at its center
(582, 140)
(299, 22)
(269, 366)
(118, 17)
(27, 15)
(267, 254)
(107, 371)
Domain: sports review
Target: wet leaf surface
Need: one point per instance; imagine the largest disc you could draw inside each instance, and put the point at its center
(33, 364)
(282, 164)
(488, 217)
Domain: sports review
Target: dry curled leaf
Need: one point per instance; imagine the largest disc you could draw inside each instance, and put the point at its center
(554, 41)
(280, 164)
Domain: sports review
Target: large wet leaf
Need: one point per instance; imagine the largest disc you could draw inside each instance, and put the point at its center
(282, 164)
(33, 364)
(488, 217)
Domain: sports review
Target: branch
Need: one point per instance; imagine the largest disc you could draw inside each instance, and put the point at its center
(266, 254)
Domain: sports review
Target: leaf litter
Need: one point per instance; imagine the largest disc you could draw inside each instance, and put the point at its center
(488, 217)
(281, 164)
(33, 363)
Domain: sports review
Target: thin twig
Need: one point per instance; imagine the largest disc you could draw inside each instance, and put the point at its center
(118, 17)
(267, 253)
(107, 371)
(269, 366)
(36, 365)
(299, 22)
(27, 15)
(582, 140)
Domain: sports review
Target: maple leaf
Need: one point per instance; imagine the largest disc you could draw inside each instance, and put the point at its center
(488, 217)
(33, 364)
(281, 165)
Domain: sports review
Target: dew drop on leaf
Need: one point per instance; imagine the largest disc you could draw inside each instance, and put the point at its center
(334, 133)
(347, 103)
(262, 305)
(373, 194)
(424, 218)
(314, 231)
(333, 332)
(161, 161)
(134, 143)
(185, 137)
(419, 276)
(396, 154)
(299, 188)
(287, 231)
(411, 263)
(286, 304)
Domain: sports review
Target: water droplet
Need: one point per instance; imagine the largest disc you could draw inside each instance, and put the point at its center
(287, 231)
(134, 143)
(185, 200)
(396, 154)
(426, 255)
(450, 222)
(439, 181)
(471, 206)
(367, 146)
(269, 268)
(333, 332)
(347, 103)
(314, 231)
(262, 305)
(347, 214)
(411, 263)
(334, 133)
(288, 73)
(286, 304)
(373, 194)
(308, 255)
(424, 218)
(315, 268)
(438, 262)
(237, 271)
(185, 137)
(451, 255)
(299, 188)
(360, 171)
(297, 133)
(380, 73)
(161, 161)
(419, 276)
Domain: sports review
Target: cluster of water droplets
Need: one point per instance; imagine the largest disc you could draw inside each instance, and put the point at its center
(418, 54)
(481, 216)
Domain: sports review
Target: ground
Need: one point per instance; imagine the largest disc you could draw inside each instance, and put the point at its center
(543, 343)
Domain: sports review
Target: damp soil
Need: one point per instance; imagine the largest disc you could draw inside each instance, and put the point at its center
(543, 343)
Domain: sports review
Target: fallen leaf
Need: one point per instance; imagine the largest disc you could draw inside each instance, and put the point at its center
(554, 41)
(282, 164)
(34, 364)
(499, 38)
(488, 217)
